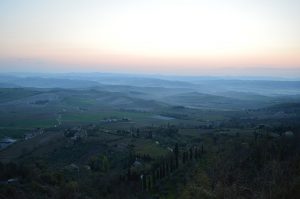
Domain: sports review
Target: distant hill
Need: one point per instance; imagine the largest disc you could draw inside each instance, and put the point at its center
(40, 82)
(201, 100)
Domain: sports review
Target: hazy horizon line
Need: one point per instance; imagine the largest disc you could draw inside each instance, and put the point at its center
(149, 74)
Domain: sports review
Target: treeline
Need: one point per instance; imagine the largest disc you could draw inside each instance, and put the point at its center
(261, 165)
(35, 180)
(163, 167)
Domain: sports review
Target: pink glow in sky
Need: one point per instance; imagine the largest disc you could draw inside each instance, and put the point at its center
(190, 37)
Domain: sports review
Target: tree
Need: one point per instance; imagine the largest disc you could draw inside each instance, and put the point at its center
(99, 163)
(191, 153)
(176, 152)
(184, 157)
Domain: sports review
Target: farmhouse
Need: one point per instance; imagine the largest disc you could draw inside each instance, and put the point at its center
(75, 133)
(5, 142)
(35, 132)
(289, 134)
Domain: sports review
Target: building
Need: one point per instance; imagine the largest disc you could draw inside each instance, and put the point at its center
(5, 142)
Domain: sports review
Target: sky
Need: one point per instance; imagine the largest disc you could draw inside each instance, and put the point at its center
(189, 37)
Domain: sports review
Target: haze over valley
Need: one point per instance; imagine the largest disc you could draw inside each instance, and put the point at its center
(160, 99)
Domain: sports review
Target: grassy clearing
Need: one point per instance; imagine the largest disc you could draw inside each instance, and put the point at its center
(97, 117)
(45, 143)
(16, 133)
(77, 101)
(194, 132)
(10, 94)
(149, 147)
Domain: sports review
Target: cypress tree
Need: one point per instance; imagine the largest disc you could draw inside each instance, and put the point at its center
(191, 153)
(167, 168)
(144, 182)
(157, 174)
(129, 174)
(176, 152)
(153, 177)
(183, 157)
(149, 182)
(171, 164)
